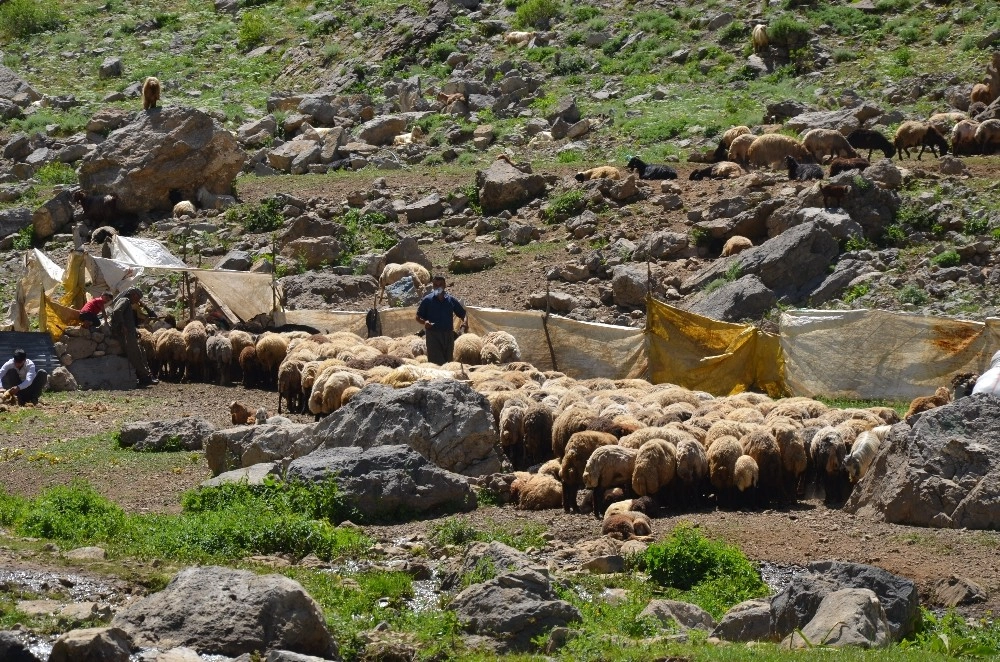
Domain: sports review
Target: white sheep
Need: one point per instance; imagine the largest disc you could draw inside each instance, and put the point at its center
(963, 138)
(862, 455)
(415, 135)
(772, 148)
(184, 208)
(759, 38)
(746, 473)
(393, 272)
(500, 347)
(219, 351)
(655, 467)
(519, 38)
(988, 136)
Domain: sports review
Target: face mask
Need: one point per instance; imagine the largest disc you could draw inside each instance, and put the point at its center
(438, 291)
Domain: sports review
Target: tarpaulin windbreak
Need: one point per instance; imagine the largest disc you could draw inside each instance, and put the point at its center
(74, 280)
(708, 355)
(40, 275)
(879, 354)
(56, 318)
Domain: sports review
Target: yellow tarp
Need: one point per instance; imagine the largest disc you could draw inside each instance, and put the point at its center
(55, 318)
(707, 355)
(74, 280)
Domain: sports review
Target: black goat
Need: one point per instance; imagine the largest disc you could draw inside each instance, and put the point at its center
(647, 171)
(802, 172)
(98, 209)
(700, 174)
(838, 166)
(871, 140)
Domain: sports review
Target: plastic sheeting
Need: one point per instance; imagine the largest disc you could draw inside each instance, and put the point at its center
(703, 354)
(40, 275)
(56, 318)
(879, 354)
(74, 293)
(144, 253)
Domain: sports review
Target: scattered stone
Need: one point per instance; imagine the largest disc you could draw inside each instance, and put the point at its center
(179, 434)
(87, 554)
(110, 68)
(684, 614)
(92, 644)
(748, 621)
(62, 379)
(469, 258)
(502, 186)
(246, 446)
(381, 130)
(957, 591)
(252, 475)
(746, 298)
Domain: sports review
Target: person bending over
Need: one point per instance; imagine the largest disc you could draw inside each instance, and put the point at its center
(93, 311)
(20, 377)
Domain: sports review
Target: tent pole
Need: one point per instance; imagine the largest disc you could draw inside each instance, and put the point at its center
(274, 270)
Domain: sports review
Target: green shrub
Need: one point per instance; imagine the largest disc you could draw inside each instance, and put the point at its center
(23, 18)
(254, 30)
(786, 30)
(361, 232)
(947, 259)
(953, 636)
(976, 226)
(563, 204)
(902, 56)
(575, 38)
(845, 20)
(941, 33)
(995, 234)
(912, 294)
(440, 50)
(454, 531)
(857, 244)
(968, 42)
(536, 13)
(699, 236)
(658, 23)
(894, 234)
(714, 285)
(844, 55)
(54, 173)
(264, 216)
(25, 238)
(734, 32)
(569, 156)
(856, 292)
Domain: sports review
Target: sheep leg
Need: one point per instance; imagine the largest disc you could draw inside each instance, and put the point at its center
(598, 499)
(569, 499)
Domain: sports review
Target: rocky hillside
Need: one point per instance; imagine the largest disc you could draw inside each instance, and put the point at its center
(358, 124)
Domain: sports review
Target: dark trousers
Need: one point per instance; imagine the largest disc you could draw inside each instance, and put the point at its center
(134, 354)
(93, 318)
(440, 346)
(30, 394)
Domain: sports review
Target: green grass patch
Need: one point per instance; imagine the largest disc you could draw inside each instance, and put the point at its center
(856, 292)
(566, 203)
(364, 231)
(853, 403)
(254, 30)
(456, 531)
(787, 30)
(263, 216)
(949, 258)
(912, 294)
(536, 14)
(54, 173)
(23, 18)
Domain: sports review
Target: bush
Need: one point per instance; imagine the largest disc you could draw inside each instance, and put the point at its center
(564, 204)
(440, 50)
(857, 244)
(454, 531)
(947, 259)
(23, 18)
(536, 14)
(257, 217)
(976, 226)
(254, 30)
(856, 292)
(912, 294)
(24, 239)
(787, 31)
(362, 231)
(51, 174)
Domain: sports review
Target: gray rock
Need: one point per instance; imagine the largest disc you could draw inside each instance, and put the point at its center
(308, 225)
(684, 614)
(104, 373)
(252, 475)
(943, 472)
(566, 110)
(13, 649)
(18, 147)
(319, 108)
(62, 379)
(496, 555)
(53, 216)
(403, 292)
(884, 173)
(950, 165)
(111, 67)
(235, 260)
(558, 302)
(834, 284)
(844, 120)
(14, 88)
(313, 252)
(314, 290)
(259, 612)
(381, 130)
(444, 420)
(107, 120)
(519, 234)
(92, 645)
(744, 298)
(174, 435)
(294, 156)
(628, 284)
(245, 446)
(838, 223)
(513, 609)
(796, 605)
(848, 617)
(428, 208)
(660, 245)
(256, 132)
(14, 220)
(469, 258)
(171, 148)
(407, 250)
(782, 110)
(9, 110)
(386, 481)
(748, 621)
(289, 656)
(502, 186)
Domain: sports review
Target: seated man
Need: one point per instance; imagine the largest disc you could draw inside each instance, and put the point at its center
(93, 311)
(19, 377)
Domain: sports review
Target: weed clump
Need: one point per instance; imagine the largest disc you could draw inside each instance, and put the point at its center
(257, 217)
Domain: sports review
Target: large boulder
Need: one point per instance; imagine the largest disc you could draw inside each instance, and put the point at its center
(629, 283)
(385, 481)
(444, 420)
(317, 290)
(14, 88)
(493, 554)
(14, 220)
(221, 611)
(54, 215)
(845, 120)
(502, 186)
(92, 645)
(871, 206)
(943, 472)
(470, 257)
(165, 149)
(245, 446)
(62, 379)
(108, 372)
(660, 245)
(13, 648)
(179, 434)
(381, 130)
(745, 298)
(407, 250)
(513, 608)
(671, 613)
(312, 252)
(848, 617)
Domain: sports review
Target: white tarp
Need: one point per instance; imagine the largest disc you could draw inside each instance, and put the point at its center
(40, 274)
(879, 354)
(144, 253)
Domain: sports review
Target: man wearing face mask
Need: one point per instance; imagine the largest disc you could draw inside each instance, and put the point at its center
(435, 313)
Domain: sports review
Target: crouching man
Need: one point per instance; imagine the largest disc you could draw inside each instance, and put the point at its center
(20, 378)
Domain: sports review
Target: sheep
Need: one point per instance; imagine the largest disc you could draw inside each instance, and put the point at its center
(600, 172)
(794, 459)
(988, 136)
(980, 94)
(290, 385)
(650, 171)
(574, 462)
(240, 414)
(977, 108)
(608, 466)
(871, 140)
(499, 347)
(512, 433)
(862, 455)
(446, 99)
(655, 467)
(838, 166)
(536, 492)
(97, 209)
(824, 142)
(735, 245)
(963, 138)
(802, 172)
(150, 92)
(349, 393)
(692, 468)
(184, 208)
(219, 352)
(888, 415)
(766, 453)
(219, 201)
(195, 341)
(238, 339)
(250, 367)
(942, 396)
(944, 122)
(271, 350)
(408, 138)
(551, 468)
(720, 170)
(746, 474)
(645, 505)
(772, 148)
(537, 434)
(827, 451)
(169, 353)
(739, 149)
(328, 390)
(626, 525)
(519, 38)
(758, 38)
(727, 140)
(833, 194)
(468, 349)
(912, 133)
(722, 457)
(393, 272)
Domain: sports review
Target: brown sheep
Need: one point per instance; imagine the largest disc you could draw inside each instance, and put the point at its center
(574, 462)
(536, 492)
(250, 367)
(772, 148)
(833, 194)
(150, 92)
(942, 396)
(626, 526)
(600, 172)
(571, 421)
(195, 350)
(763, 448)
(981, 94)
(722, 457)
(735, 245)
(240, 414)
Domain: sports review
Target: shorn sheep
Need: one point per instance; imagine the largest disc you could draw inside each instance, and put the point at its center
(827, 142)
(626, 525)
(739, 147)
(772, 148)
(649, 170)
(963, 138)
(720, 170)
(871, 140)
(536, 492)
(914, 134)
(801, 172)
(150, 92)
(758, 38)
(722, 457)
(838, 166)
(600, 172)
(170, 353)
(735, 245)
(608, 466)
(271, 350)
(746, 473)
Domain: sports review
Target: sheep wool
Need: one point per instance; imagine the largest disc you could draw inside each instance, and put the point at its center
(746, 474)
(290, 385)
(568, 423)
(772, 148)
(862, 455)
(722, 456)
(219, 351)
(195, 343)
(469, 349)
(739, 148)
(537, 492)
(655, 467)
(271, 350)
(600, 172)
(574, 462)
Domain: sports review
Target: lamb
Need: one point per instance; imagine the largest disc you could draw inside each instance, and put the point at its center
(271, 350)
(290, 385)
(574, 462)
(963, 138)
(219, 352)
(802, 171)
(408, 138)
(823, 142)
(150, 92)
(988, 136)
(650, 171)
(169, 353)
(746, 474)
(600, 172)
(468, 349)
(195, 340)
(97, 209)
(536, 492)
(758, 38)
(827, 451)
(655, 467)
(912, 133)
(393, 272)
(645, 505)
(838, 166)
(720, 170)
(942, 396)
(772, 148)
(722, 457)
(500, 347)
(626, 526)
(736, 245)
(519, 38)
(219, 201)
(980, 94)
(862, 455)
(871, 140)
(727, 140)
(240, 414)
(184, 208)
(608, 466)
(740, 147)
(250, 367)
(833, 194)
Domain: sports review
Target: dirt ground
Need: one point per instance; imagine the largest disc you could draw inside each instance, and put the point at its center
(154, 482)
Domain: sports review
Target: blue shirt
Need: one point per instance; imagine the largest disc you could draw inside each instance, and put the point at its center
(439, 311)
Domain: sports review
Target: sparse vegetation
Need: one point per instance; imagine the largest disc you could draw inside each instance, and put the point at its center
(257, 217)
(23, 18)
(949, 258)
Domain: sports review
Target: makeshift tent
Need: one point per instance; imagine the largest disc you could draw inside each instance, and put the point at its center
(40, 275)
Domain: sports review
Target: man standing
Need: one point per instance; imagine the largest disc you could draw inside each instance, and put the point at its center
(123, 328)
(93, 310)
(434, 312)
(19, 377)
